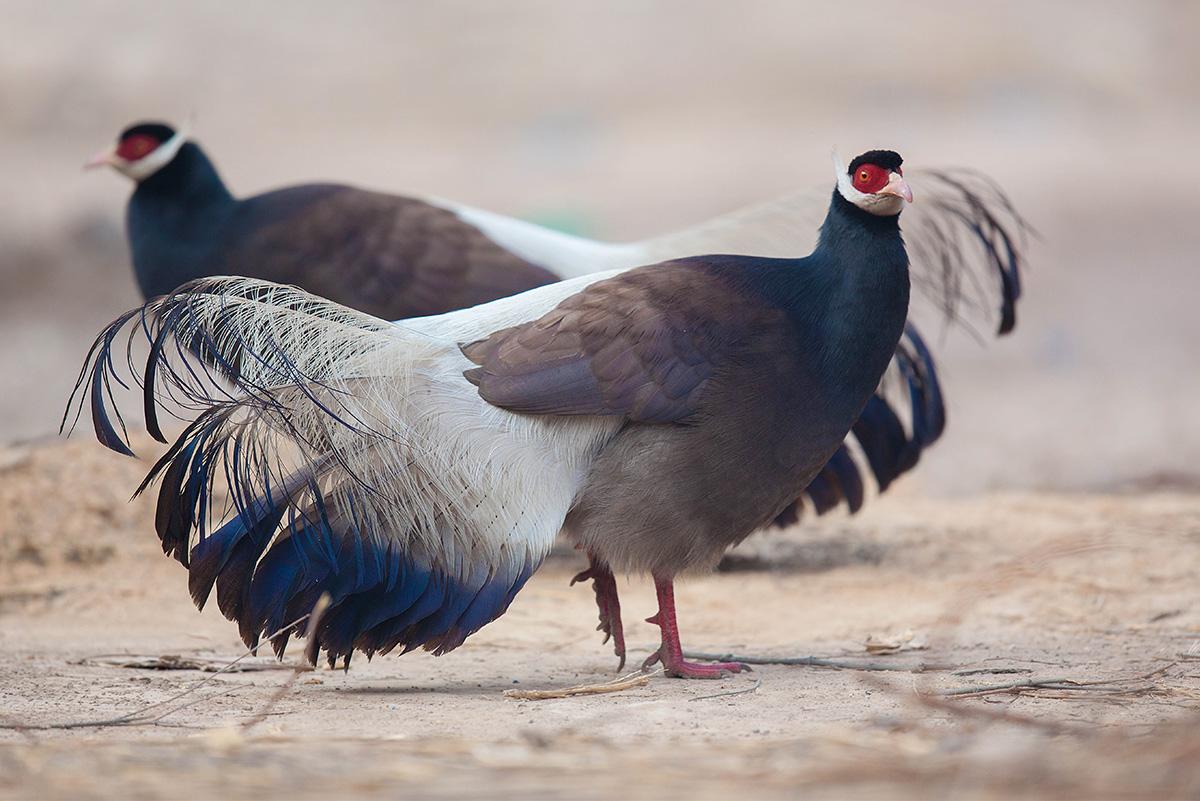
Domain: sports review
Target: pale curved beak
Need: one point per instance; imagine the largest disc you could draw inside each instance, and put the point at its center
(105, 158)
(897, 186)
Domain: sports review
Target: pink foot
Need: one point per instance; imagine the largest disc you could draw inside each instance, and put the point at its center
(683, 669)
(670, 653)
(605, 586)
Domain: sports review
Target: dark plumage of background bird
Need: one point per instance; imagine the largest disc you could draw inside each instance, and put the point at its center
(418, 472)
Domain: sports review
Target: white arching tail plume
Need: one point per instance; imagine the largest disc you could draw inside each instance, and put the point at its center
(964, 239)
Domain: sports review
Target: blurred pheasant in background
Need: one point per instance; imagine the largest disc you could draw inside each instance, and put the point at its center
(397, 257)
(418, 472)
(389, 256)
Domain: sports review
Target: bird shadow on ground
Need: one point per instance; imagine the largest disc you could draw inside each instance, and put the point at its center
(398, 688)
(775, 552)
(784, 555)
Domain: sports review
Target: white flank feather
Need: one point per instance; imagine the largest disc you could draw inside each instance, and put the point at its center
(418, 452)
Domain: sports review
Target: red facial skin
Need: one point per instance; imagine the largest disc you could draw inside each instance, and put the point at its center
(870, 178)
(137, 146)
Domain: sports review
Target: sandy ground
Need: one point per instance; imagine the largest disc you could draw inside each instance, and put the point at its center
(999, 588)
(625, 119)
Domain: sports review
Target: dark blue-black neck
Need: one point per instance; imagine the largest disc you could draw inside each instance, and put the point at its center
(851, 295)
(188, 178)
(848, 226)
(175, 222)
(862, 260)
(855, 314)
(859, 257)
(859, 262)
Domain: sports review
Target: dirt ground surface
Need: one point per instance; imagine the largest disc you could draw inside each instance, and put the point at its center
(623, 120)
(1094, 594)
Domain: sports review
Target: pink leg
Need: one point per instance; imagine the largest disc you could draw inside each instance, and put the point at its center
(605, 585)
(670, 652)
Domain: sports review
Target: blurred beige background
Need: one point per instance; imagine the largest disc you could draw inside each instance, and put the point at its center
(621, 120)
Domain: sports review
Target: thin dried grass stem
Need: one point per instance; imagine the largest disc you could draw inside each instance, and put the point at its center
(635, 679)
(820, 661)
(1066, 684)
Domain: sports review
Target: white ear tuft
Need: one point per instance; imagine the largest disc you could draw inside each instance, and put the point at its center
(844, 184)
(839, 166)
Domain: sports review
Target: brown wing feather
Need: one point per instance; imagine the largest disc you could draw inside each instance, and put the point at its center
(643, 345)
(390, 256)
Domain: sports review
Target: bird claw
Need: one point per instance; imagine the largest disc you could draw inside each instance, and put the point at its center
(683, 669)
(605, 586)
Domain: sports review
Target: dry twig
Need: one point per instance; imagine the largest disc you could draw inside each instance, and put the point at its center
(991, 715)
(744, 691)
(820, 661)
(635, 679)
(314, 620)
(1068, 684)
(990, 671)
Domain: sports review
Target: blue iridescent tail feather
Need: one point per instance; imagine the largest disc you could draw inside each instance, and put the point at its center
(287, 537)
(889, 448)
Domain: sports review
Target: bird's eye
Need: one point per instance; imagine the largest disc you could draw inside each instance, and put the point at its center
(135, 147)
(870, 178)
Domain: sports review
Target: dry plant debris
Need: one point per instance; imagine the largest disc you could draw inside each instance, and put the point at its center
(180, 662)
(906, 641)
(627, 682)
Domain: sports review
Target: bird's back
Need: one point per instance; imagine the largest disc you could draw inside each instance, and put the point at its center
(387, 255)
(390, 256)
